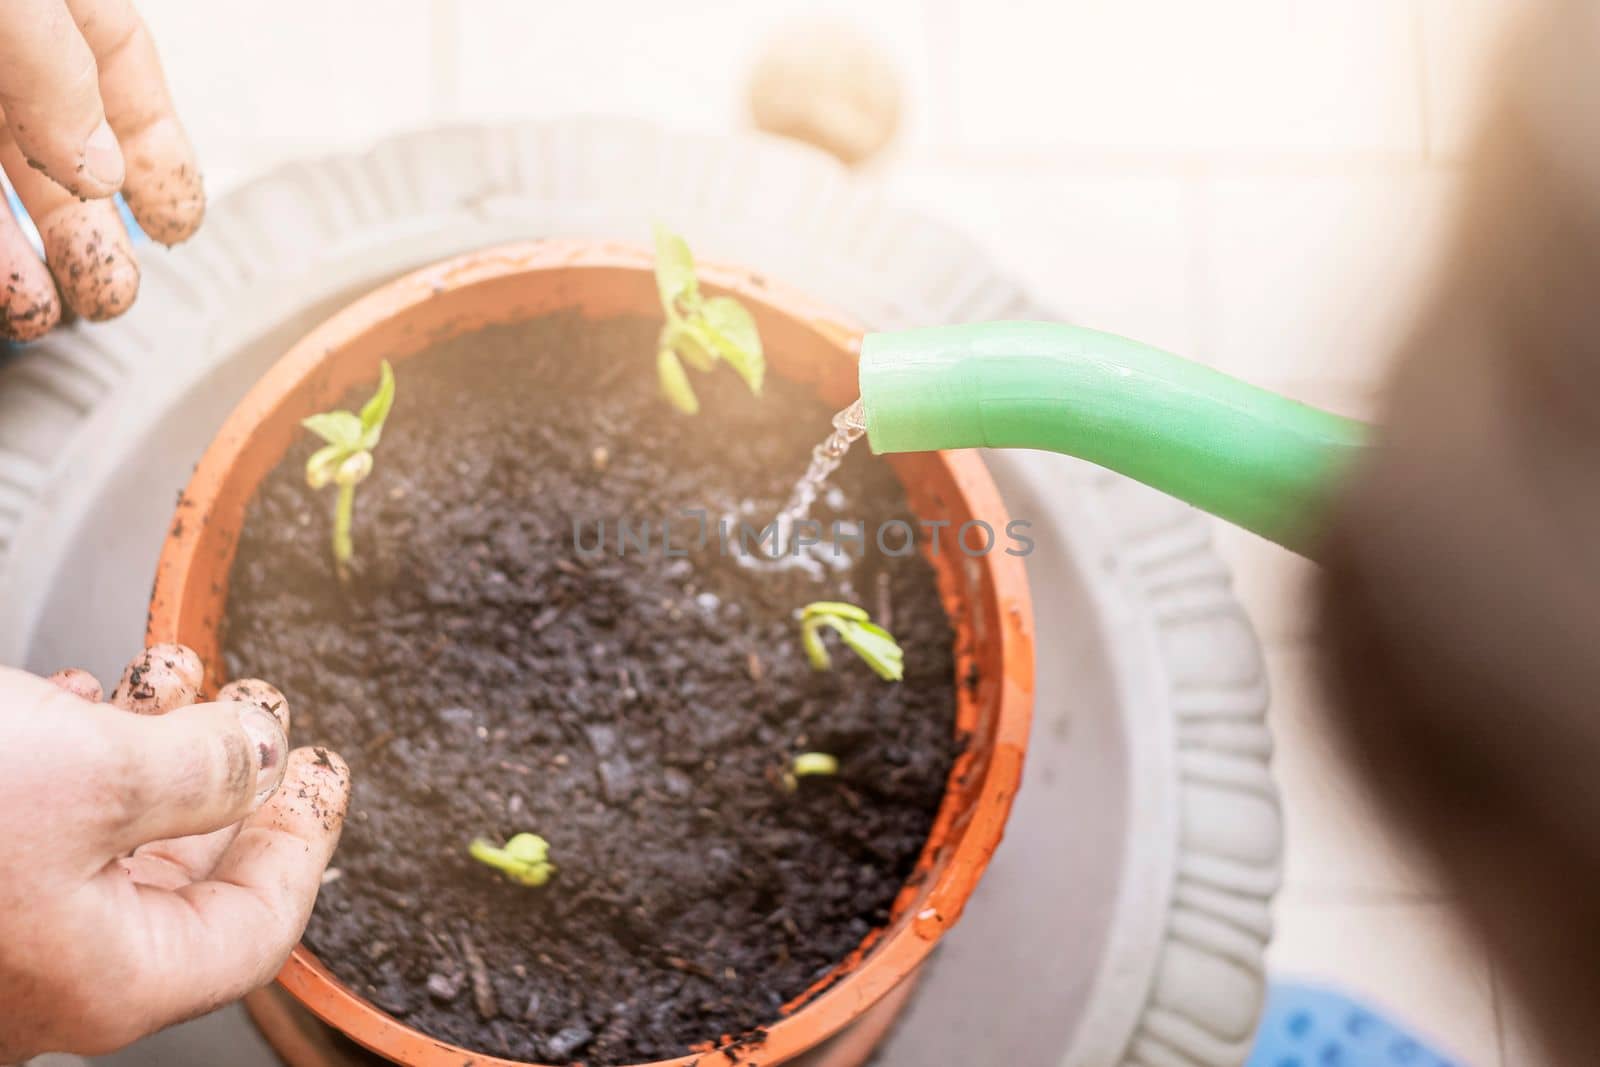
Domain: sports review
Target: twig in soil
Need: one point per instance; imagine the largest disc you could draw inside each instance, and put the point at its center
(600, 896)
(483, 997)
(546, 617)
(678, 963)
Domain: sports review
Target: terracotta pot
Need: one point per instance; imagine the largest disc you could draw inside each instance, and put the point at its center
(986, 597)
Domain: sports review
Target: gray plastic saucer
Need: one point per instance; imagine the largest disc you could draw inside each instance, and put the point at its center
(1124, 919)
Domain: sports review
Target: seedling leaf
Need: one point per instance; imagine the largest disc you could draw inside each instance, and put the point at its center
(734, 335)
(875, 645)
(525, 859)
(376, 410)
(834, 607)
(700, 332)
(814, 764)
(346, 459)
(809, 765)
(340, 428)
(680, 336)
(675, 383)
(675, 279)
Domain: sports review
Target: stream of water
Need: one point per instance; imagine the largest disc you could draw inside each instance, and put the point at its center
(848, 427)
(782, 552)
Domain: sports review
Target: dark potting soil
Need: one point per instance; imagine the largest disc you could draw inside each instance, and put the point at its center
(485, 677)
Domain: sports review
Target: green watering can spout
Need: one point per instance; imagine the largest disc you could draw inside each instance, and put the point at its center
(1252, 457)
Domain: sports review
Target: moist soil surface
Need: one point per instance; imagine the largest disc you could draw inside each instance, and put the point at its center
(485, 675)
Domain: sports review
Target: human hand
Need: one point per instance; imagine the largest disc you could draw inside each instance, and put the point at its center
(161, 857)
(86, 112)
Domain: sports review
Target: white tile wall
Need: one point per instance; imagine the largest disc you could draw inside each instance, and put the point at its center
(1260, 183)
(257, 84)
(1153, 76)
(684, 63)
(1110, 251)
(1314, 277)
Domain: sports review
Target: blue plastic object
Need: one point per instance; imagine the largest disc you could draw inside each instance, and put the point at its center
(1305, 1026)
(32, 231)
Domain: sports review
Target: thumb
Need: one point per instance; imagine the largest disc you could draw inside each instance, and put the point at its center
(194, 770)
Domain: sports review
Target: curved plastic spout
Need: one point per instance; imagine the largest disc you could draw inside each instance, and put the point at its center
(1262, 461)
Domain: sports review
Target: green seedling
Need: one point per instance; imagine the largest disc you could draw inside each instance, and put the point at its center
(809, 765)
(871, 642)
(345, 459)
(699, 330)
(525, 859)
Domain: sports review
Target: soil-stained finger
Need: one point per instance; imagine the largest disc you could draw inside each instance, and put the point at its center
(85, 243)
(29, 304)
(178, 861)
(224, 937)
(163, 186)
(254, 691)
(51, 94)
(160, 678)
(80, 683)
(89, 253)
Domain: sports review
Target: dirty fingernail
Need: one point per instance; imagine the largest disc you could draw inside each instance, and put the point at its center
(102, 156)
(272, 750)
(254, 691)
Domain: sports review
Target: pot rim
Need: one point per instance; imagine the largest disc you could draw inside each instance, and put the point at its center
(888, 955)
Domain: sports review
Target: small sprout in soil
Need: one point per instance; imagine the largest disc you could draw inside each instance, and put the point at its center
(809, 765)
(346, 458)
(871, 642)
(819, 763)
(699, 330)
(525, 858)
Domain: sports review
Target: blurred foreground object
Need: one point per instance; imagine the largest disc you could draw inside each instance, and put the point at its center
(827, 84)
(1461, 600)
